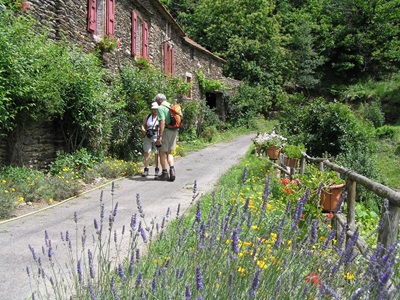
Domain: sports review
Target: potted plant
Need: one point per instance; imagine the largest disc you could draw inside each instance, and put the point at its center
(332, 187)
(270, 143)
(293, 153)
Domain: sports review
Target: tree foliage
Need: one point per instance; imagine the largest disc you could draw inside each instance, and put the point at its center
(319, 46)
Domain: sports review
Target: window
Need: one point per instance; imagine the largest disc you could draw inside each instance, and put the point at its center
(169, 62)
(101, 17)
(189, 81)
(140, 36)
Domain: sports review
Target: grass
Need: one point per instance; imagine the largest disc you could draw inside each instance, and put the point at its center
(250, 239)
(387, 159)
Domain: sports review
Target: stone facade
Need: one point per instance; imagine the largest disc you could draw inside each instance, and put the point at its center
(68, 20)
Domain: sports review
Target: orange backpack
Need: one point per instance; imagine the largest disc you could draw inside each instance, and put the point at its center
(175, 112)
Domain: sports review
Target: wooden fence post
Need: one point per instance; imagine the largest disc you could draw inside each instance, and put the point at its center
(388, 232)
(302, 165)
(351, 205)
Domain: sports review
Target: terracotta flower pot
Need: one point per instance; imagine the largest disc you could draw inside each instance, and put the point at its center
(330, 197)
(291, 162)
(273, 152)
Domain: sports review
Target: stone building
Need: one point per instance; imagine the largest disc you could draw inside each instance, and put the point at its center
(143, 28)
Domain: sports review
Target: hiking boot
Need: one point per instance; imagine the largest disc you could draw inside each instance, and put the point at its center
(163, 177)
(171, 174)
(157, 171)
(145, 172)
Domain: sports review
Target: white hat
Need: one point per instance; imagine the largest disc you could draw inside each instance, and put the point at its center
(154, 105)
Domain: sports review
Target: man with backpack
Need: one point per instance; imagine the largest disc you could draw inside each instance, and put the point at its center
(167, 138)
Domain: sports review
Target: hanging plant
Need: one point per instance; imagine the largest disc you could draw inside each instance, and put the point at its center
(108, 43)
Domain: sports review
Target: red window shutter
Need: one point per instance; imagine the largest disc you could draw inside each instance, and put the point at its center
(172, 60)
(110, 17)
(145, 40)
(166, 58)
(92, 16)
(134, 34)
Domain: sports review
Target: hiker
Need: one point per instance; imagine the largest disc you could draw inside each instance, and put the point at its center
(166, 141)
(150, 127)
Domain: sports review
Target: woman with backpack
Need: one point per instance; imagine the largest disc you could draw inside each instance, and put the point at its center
(150, 128)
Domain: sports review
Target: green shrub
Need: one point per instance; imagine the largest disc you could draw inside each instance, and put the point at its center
(248, 103)
(372, 112)
(385, 132)
(326, 128)
(78, 162)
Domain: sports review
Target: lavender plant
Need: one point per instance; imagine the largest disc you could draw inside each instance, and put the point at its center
(244, 247)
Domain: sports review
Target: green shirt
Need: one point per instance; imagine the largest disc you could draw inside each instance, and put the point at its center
(163, 113)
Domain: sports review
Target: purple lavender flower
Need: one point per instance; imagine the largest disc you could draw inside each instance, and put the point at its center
(83, 239)
(188, 293)
(121, 273)
(139, 279)
(235, 240)
(249, 219)
(339, 204)
(131, 264)
(154, 284)
(314, 232)
(139, 206)
(244, 175)
(133, 222)
(33, 252)
(230, 281)
(115, 236)
(299, 209)
(255, 283)
(199, 278)
(246, 204)
(112, 188)
(51, 281)
(113, 289)
(101, 212)
(79, 268)
(267, 191)
(195, 194)
(76, 217)
(143, 234)
(331, 236)
(137, 255)
(28, 271)
(92, 292)
(178, 211)
(198, 212)
(114, 213)
(96, 225)
(357, 294)
(50, 252)
(91, 267)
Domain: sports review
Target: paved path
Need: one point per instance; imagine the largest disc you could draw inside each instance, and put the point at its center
(204, 167)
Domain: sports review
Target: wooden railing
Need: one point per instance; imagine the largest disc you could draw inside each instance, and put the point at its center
(388, 231)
